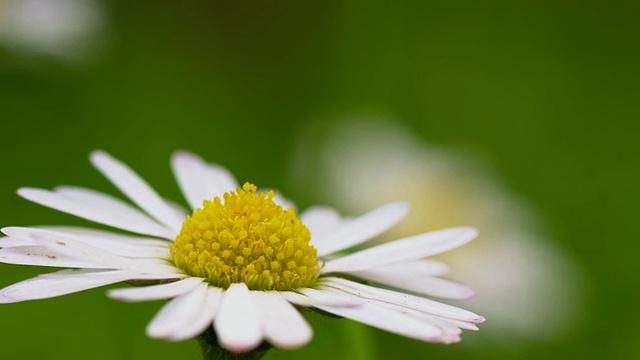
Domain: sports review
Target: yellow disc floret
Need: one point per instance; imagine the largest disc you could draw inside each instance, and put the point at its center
(247, 238)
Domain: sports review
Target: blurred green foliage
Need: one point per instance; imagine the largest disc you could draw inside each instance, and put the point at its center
(546, 91)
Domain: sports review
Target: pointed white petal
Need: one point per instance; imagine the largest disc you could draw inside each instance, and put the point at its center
(204, 319)
(41, 256)
(303, 300)
(404, 300)
(60, 283)
(66, 246)
(7, 242)
(155, 292)
(159, 276)
(323, 298)
(321, 222)
(282, 324)
(198, 180)
(448, 332)
(446, 323)
(154, 267)
(180, 315)
(297, 299)
(90, 233)
(132, 185)
(450, 328)
(407, 249)
(123, 245)
(427, 285)
(100, 208)
(238, 321)
(380, 317)
(361, 229)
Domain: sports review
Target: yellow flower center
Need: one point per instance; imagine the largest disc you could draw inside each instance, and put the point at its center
(247, 238)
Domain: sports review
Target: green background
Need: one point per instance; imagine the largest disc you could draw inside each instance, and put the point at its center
(547, 91)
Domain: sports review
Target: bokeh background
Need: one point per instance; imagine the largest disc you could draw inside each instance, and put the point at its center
(520, 118)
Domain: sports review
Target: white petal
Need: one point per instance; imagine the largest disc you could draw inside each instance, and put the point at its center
(448, 332)
(321, 222)
(41, 256)
(322, 298)
(238, 321)
(90, 233)
(380, 317)
(205, 318)
(60, 283)
(180, 316)
(198, 180)
(155, 292)
(154, 267)
(402, 299)
(303, 300)
(68, 246)
(100, 208)
(417, 283)
(447, 322)
(132, 185)
(159, 276)
(450, 329)
(282, 324)
(123, 245)
(407, 249)
(361, 229)
(7, 242)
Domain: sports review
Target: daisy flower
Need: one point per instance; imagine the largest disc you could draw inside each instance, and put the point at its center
(241, 263)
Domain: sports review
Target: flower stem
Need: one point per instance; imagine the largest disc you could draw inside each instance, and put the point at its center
(211, 350)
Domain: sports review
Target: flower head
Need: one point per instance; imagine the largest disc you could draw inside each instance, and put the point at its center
(241, 262)
(247, 238)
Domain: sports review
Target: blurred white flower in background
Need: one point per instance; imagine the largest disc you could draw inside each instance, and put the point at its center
(526, 287)
(69, 30)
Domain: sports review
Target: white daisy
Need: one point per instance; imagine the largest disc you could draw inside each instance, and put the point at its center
(240, 263)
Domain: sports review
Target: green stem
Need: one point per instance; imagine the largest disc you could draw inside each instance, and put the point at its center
(211, 350)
